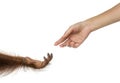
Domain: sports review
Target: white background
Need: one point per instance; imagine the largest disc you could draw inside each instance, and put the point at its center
(30, 28)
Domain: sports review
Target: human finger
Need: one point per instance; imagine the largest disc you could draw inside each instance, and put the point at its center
(64, 37)
(66, 43)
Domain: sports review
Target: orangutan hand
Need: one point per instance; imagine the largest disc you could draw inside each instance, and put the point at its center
(38, 64)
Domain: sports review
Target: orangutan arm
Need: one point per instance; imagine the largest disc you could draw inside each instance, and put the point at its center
(9, 63)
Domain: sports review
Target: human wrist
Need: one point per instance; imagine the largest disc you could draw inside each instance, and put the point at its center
(88, 24)
(95, 23)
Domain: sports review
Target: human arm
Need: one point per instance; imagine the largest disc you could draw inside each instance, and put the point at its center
(78, 32)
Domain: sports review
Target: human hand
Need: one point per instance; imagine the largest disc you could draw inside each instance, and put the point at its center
(74, 36)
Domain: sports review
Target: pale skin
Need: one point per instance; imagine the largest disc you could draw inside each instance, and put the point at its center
(77, 33)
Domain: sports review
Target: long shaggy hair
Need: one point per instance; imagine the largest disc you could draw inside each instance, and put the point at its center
(9, 63)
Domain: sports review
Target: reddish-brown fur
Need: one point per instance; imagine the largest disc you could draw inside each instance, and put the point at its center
(9, 63)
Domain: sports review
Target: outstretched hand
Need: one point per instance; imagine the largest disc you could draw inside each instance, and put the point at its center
(37, 64)
(74, 36)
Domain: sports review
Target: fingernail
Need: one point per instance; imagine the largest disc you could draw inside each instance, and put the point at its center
(76, 45)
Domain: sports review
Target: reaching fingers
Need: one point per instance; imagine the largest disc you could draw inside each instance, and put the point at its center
(70, 43)
(47, 60)
(74, 44)
(64, 37)
(66, 43)
(50, 56)
(41, 64)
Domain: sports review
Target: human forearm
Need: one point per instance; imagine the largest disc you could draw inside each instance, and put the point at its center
(108, 17)
(78, 32)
